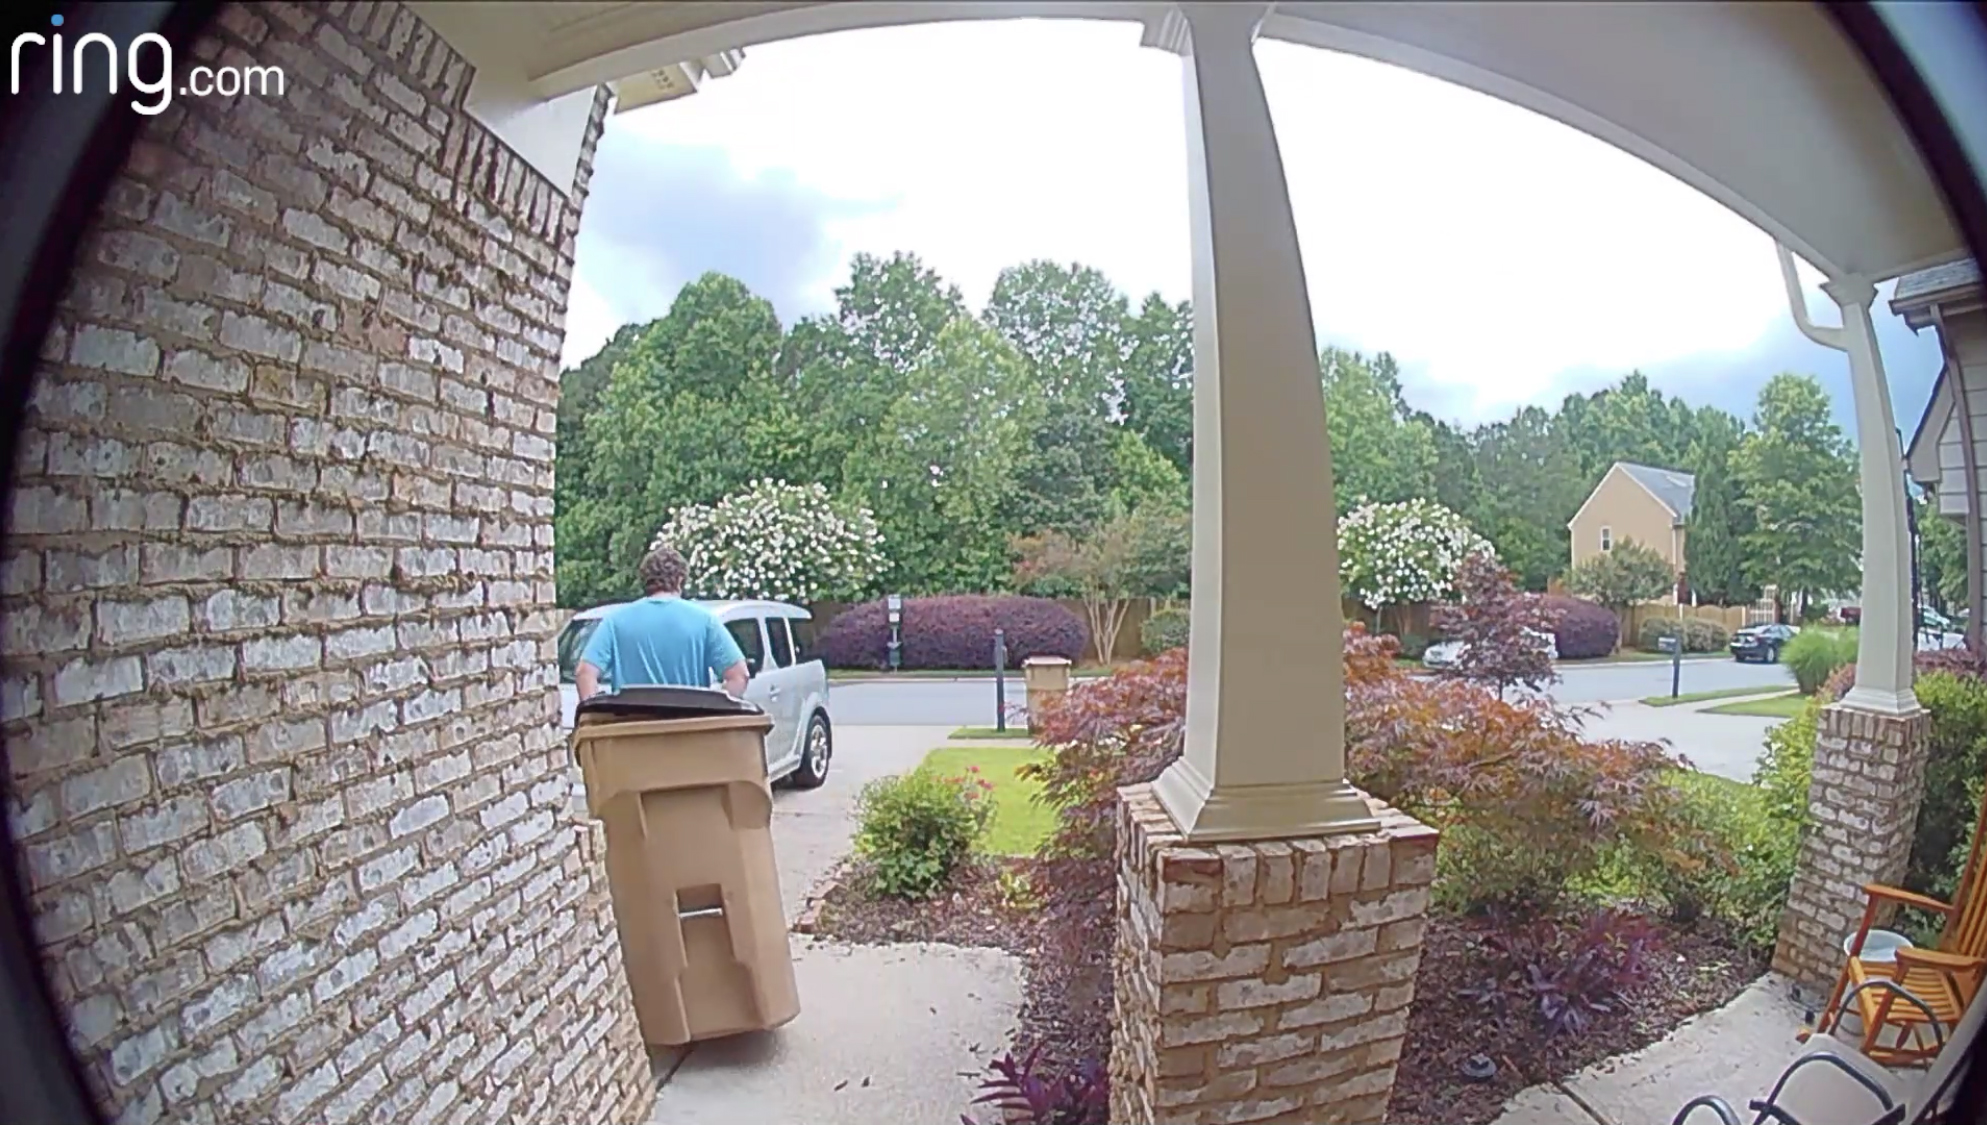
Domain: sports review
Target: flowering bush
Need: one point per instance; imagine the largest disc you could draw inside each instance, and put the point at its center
(791, 542)
(1404, 552)
(953, 632)
(915, 829)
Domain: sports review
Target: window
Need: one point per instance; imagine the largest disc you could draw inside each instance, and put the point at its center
(572, 643)
(776, 636)
(803, 639)
(746, 633)
(1607, 539)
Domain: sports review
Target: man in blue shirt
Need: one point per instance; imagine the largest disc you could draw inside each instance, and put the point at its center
(660, 640)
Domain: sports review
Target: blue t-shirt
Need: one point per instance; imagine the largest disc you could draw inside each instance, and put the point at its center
(660, 641)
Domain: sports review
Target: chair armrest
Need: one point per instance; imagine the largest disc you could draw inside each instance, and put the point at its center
(1907, 898)
(1933, 959)
(1726, 1114)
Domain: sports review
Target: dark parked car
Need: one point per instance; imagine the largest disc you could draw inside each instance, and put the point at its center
(1760, 642)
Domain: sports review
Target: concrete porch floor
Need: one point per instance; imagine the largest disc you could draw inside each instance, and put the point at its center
(1736, 1051)
(885, 1033)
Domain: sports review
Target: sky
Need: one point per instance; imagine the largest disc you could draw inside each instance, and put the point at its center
(1503, 258)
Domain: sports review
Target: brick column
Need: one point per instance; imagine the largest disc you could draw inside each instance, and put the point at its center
(1263, 981)
(1869, 773)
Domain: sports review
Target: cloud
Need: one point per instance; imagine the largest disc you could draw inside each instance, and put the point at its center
(661, 215)
(1502, 257)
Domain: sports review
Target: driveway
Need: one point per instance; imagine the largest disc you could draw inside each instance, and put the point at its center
(1727, 745)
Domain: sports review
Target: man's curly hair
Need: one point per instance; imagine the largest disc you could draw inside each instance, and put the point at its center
(663, 571)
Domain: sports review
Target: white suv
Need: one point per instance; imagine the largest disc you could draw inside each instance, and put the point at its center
(788, 682)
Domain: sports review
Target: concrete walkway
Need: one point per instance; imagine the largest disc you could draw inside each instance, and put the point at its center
(1736, 1052)
(1726, 745)
(885, 1033)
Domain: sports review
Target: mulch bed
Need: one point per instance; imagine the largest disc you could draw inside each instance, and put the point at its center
(1698, 969)
(1067, 1003)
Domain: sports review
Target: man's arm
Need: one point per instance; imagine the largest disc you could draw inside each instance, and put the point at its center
(596, 660)
(734, 680)
(588, 679)
(727, 659)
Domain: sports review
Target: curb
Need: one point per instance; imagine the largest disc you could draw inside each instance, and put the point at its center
(808, 920)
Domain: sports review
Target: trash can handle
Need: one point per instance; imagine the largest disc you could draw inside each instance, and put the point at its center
(701, 912)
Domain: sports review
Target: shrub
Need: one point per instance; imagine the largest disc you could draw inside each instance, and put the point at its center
(1956, 757)
(1698, 634)
(1022, 1095)
(1120, 730)
(1165, 630)
(953, 632)
(1732, 859)
(1402, 553)
(915, 829)
(1565, 974)
(1582, 629)
(1814, 654)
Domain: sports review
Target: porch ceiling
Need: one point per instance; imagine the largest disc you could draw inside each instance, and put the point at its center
(1763, 106)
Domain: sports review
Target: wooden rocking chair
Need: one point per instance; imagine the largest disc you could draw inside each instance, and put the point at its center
(1945, 979)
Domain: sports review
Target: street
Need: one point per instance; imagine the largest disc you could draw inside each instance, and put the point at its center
(971, 702)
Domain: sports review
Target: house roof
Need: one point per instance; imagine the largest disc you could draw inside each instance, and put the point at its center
(1913, 288)
(1675, 489)
(1921, 457)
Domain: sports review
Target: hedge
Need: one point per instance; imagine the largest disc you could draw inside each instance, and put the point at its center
(1698, 635)
(1582, 629)
(1163, 631)
(955, 631)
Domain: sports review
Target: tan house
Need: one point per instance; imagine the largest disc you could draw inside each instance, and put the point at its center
(1635, 502)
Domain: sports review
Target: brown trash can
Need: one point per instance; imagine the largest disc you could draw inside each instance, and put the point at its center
(678, 776)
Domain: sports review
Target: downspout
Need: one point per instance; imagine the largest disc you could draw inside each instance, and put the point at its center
(1969, 460)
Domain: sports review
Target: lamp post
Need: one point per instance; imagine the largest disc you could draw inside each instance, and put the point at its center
(1000, 680)
(894, 604)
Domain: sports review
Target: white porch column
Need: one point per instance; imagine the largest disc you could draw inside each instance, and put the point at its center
(1887, 637)
(1265, 742)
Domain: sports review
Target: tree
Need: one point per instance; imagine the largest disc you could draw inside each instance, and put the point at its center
(1131, 554)
(1941, 557)
(1068, 325)
(1158, 384)
(942, 463)
(1499, 628)
(1714, 555)
(1797, 474)
(1531, 484)
(1403, 553)
(1379, 452)
(1621, 577)
(790, 542)
(691, 410)
(1630, 421)
(581, 561)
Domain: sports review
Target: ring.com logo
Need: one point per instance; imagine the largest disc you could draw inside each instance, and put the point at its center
(71, 73)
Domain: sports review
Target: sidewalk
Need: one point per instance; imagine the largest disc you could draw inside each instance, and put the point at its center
(885, 1033)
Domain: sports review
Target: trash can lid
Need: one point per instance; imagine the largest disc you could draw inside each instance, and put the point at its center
(666, 703)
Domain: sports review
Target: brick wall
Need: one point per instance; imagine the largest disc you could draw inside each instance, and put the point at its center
(1869, 775)
(1263, 981)
(280, 703)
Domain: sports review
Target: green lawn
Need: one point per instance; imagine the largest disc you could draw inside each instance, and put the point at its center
(976, 733)
(1020, 823)
(1773, 707)
(1701, 696)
